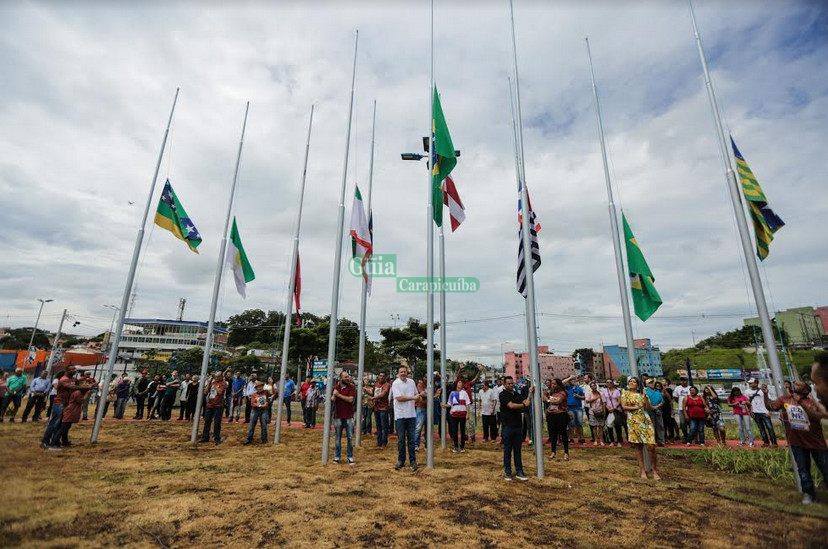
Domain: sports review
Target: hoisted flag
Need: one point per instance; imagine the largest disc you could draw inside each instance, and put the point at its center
(170, 215)
(443, 159)
(645, 297)
(534, 227)
(451, 198)
(297, 290)
(361, 235)
(237, 259)
(765, 222)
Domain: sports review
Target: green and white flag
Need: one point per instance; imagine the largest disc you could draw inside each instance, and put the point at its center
(645, 297)
(237, 259)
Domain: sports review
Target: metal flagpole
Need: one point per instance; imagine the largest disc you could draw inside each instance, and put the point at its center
(37, 321)
(443, 381)
(616, 236)
(113, 353)
(531, 335)
(291, 288)
(208, 341)
(326, 436)
(55, 346)
(364, 298)
(744, 235)
(430, 265)
(741, 222)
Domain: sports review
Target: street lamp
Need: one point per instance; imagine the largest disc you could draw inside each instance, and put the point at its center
(34, 330)
(111, 325)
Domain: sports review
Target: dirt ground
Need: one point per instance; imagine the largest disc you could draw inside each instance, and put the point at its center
(144, 485)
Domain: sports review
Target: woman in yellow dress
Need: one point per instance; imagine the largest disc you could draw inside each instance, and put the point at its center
(641, 431)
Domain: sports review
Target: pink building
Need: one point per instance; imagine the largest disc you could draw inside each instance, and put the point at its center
(551, 365)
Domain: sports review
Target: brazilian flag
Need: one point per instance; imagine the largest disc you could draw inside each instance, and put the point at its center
(443, 159)
(645, 297)
(765, 222)
(170, 215)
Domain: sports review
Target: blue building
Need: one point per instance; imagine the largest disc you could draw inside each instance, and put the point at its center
(648, 357)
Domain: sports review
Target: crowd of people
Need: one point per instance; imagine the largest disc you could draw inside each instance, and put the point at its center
(645, 417)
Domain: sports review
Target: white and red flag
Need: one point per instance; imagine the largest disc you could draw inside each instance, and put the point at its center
(451, 198)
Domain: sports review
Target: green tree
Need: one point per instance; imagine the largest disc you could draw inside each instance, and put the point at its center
(247, 364)
(18, 339)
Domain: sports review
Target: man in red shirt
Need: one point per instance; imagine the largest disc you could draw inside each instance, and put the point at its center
(801, 417)
(380, 400)
(303, 393)
(344, 396)
(259, 406)
(65, 387)
(214, 394)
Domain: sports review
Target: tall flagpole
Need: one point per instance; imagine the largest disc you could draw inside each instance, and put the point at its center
(531, 335)
(430, 265)
(326, 436)
(443, 381)
(364, 298)
(51, 361)
(291, 289)
(741, 222)
(113, 348)
(208, 342)
(616, 236)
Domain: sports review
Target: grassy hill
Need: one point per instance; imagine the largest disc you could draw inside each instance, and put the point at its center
(717, 358)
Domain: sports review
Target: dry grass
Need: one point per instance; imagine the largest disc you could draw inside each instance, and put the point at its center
(143, 485)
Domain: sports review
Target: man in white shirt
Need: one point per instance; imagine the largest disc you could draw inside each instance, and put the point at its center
(249, 390)
(403, 394)
(498, 388)
(760, 412)
(488, 404)
(585, 381)
(681, 392)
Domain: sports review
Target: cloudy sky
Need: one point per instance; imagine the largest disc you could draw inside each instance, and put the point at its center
(87, 88)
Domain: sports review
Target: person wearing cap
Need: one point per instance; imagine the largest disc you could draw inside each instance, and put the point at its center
(259, 401)
(760, 413)
(15, 388)
(655, 412)
(214, 398)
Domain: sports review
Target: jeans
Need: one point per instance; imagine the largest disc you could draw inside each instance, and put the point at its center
(696, 428)
(167, 406)
(310, 416)
(803, 456)
(257, 415)
(405, 431)
(763, 421)
(287, 406)
(457, 429)
(557, 425)
(512, 440)
(683, 424)
(348, 426)
(366, 420)
(53, 427)
(670, 428)
(744, 428)
(382, 427)
(15, 401)
(489, 427)
(212, 418)
(120, 406)
(421, 419)
(139, 407)
(577, 417)
(36, 401)
(658, 423)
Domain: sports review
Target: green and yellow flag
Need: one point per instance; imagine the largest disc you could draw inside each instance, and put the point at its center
(645, 297)
(442, 156)
(237, 259)
(765, 222)
(170, 215)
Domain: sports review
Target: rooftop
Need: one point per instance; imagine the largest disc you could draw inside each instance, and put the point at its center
(151, 321)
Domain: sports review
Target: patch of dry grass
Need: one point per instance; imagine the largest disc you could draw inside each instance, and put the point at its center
(145, 485)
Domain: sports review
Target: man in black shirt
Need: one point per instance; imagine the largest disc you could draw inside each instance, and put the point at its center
(140, 390)
(511, 412)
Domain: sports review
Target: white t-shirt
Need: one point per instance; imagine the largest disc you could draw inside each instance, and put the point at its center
(407, 388)
(587, 394)
(757, 403)
(488, 401)
(681, 393)
(497, 390)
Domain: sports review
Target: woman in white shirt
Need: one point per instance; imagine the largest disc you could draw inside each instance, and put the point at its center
(457, 403)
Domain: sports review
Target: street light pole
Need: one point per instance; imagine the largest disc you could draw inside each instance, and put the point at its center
(34, 330)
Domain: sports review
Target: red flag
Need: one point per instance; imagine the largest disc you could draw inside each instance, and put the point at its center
(297, 290)
(451, 198)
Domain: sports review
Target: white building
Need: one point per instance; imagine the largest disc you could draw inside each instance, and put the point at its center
(166, 336)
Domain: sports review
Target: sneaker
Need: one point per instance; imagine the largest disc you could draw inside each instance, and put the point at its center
(462, 450)
(246, 442)
(455, 450)
(54, 448)
(619, 445)
(751, 445)
(351, 461)
(521, 476)
(336, 460)
(219, 441)
(398, 466)
(808, 499)
(507, 478)
(414, 467)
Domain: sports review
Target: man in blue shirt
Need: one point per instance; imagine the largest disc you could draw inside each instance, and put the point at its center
(290, 388)
(575, 408)
(657, 402)
(37, 396)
